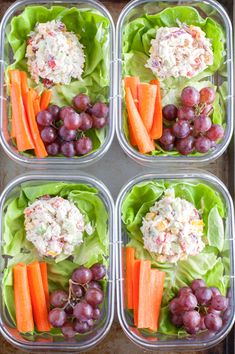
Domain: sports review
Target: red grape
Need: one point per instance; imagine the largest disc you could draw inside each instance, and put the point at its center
(197, 283)
(81, 327)
(188, 302)
(227, 314)
(186, 113)
(67, 149)
(81, 102)
(64, 111)
(94, 297)
(190, 96)
(69, 309)
(54, 110)
(98, 271)
(86, 122)
(181, 129)
(175, 306)
(53, 149)
(216, 132)
(207, 95)
(169, 147)
(215, 291)
(212, 310)
(90, 323)
(48, 134)
(170, 112)
(72, 121)
(66, 134)
(202, 124)
(77, 290)
(68, 330)
(58, 298)
(219, 303)
(83, 145)
(185, 146)
(94, 284)
(213, 322)
(57, 317)
(96, 314)
(192, 330)
(202, 144)
(177, 320)
(184, 290)
(203, 295)
(83, 311)
(44, 118)
(167, 137)
(98, 123)
(100, 110)
(82, 275)
(191, 319)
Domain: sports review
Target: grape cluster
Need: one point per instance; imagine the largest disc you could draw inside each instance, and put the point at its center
(191, 127)
(77, 310)
(199, 307)
(63, 129)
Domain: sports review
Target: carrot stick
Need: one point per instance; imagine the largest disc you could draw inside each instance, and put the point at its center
(136, 278)
(38, 299)
(24, 85)
(156, 285)
(146, 98)
(36, 106)
(130, 256)
(14, 77)
(45, 99)
(132, 82)
(24, 314)
(144, 143)
(43, 269)
(23, 137)
(156, 130)
(34, 94)
(40, 149)
(144, 295)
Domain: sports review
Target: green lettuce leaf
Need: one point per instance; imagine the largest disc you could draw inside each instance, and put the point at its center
(212, 264)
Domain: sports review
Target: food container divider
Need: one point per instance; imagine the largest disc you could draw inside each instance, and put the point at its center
(162, 341)
(212, 8)
(6, 58)
(60, 344)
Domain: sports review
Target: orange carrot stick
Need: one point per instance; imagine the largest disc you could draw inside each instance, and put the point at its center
(24, 314)
(34, 94)
(156, 285)
(156, 130)
(144, 295)
(45, 99)
(38, 299)
(130, 256)
(144, 143)
(23, 137)
(146, 98)
(24, 85)
(14, 77)
(40, 149)
(136, 280)
(36, 106)
(132, 83)
(43, 269)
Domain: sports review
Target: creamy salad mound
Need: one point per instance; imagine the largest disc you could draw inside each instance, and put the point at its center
(173, 229)
(54, 226)
(180, 51)
(54, 54)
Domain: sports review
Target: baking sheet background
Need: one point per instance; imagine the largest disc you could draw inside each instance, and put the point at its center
(115, 169)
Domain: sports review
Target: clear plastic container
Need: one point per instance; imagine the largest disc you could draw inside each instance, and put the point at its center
(59, 343)
(212, 8)
(6, 59)
(202, 340)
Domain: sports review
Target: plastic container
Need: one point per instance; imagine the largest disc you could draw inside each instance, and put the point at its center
(212, 8)
(161, 341)
(60, 344)
(6, 59)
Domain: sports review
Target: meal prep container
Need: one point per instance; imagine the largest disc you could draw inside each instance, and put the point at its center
(60, 344)
(161, 341)
(211, 8)
(6, 58)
